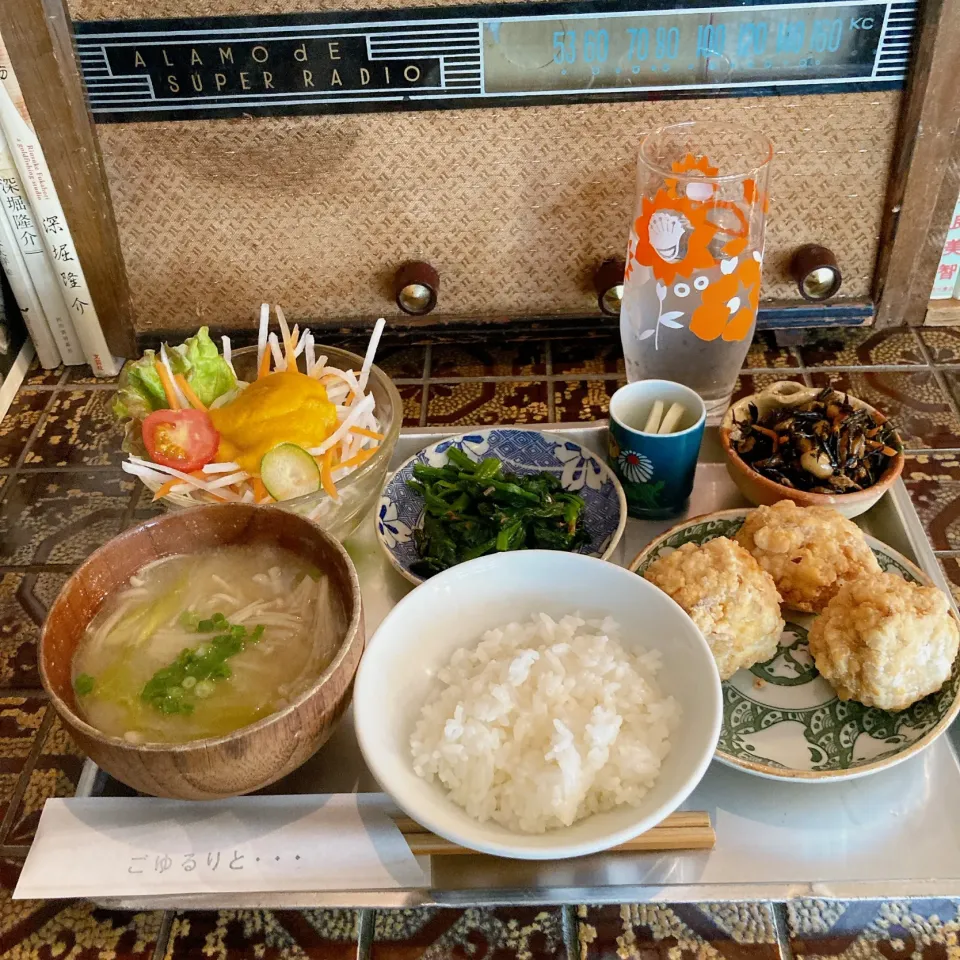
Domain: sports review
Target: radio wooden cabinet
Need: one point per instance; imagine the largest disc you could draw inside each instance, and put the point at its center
(211, 154)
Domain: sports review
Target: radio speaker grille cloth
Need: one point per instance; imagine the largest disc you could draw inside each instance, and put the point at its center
(513, 206)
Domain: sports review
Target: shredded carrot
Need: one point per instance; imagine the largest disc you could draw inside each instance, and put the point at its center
(167, 384)
(326, 475)
(363, 432)
(264, 363)
(361, 457)
(192, 398)
(165, 488)
(259, 490)
(768, 432)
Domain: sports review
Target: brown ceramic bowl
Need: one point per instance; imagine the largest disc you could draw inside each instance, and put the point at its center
(253, 756)
(762, 491)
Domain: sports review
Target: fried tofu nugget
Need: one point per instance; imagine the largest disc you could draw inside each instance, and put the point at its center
(810, 552)
(731, 600)
(885, 642)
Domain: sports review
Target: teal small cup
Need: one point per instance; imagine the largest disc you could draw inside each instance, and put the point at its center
(656, 470)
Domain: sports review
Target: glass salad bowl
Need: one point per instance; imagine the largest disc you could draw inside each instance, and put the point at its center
(360, 490)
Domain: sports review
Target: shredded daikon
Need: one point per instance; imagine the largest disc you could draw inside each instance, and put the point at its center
(262, 332)
(346, 389)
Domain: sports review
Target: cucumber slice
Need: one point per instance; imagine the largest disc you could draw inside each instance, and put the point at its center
(288, 471)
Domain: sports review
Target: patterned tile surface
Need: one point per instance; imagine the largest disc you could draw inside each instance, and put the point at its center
(584, 400)
(60, 517)
(37, 376)
(952, 378)
(934, 485)
(481, 403)
(507, 933)
(864, 347)
(79, 430)
(921, 411)
(263, 935)
(951, 567)
(885, 930)
(55, 774)
(401, 363)
(19, 422)
(736, 931)
(72, 929)
(584, 355)
(943, 343)
(764, 352)
(24, 601)
(475, 360)
(20, 719)
(82, 375)
(412, 396)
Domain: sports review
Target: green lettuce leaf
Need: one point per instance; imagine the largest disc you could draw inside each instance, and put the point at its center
(199, 360)
(139, 391)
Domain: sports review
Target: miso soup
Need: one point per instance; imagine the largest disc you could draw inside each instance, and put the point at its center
(202, 644)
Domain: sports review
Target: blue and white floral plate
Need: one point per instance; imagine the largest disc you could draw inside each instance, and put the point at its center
(521, 451)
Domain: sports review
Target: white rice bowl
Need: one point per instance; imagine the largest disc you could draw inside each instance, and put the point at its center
(543, 723)
(400, 674)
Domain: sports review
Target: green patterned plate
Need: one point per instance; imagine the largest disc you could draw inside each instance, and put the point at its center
(781, 719)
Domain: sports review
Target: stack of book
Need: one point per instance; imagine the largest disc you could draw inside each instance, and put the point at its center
(37, 252)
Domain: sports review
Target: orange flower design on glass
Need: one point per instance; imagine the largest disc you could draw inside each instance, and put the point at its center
(729, 305)
(673, 236)
(681, 230)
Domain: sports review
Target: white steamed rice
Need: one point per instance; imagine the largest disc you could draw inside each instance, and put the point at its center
(544, 722)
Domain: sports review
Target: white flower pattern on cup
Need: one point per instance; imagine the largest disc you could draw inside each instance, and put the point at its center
(635, 466)
(392, 530)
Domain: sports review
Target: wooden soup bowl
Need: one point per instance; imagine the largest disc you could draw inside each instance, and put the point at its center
(253, 756)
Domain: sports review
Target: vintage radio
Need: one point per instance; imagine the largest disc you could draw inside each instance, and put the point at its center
(221, 153)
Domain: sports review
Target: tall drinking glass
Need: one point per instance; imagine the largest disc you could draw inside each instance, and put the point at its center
(692, 282)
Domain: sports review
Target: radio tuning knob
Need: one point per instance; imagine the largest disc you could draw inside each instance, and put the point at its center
(815, 270)
(608, 283)
(415, 287)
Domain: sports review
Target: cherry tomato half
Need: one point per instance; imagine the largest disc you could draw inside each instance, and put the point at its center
(182, 439)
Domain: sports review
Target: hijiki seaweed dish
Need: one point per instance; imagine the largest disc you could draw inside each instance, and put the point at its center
(825, 445)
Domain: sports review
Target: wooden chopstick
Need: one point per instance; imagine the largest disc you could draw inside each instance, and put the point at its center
(684, 830)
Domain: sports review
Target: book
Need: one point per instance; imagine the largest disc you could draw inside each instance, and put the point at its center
(11, 259)
(55, 233)
(946, 282)
(26, 236)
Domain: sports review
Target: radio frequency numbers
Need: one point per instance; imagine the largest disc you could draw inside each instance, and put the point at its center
(752, 39)
(594, 46)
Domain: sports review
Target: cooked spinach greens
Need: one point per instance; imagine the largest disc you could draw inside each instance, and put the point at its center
(473, 509)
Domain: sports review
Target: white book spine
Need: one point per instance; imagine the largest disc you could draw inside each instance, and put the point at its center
(946, 282)
(26, 296)
(26, 235)
(55, 233)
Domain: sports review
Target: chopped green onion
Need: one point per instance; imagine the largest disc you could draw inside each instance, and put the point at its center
(173, 688)
(84, 684)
